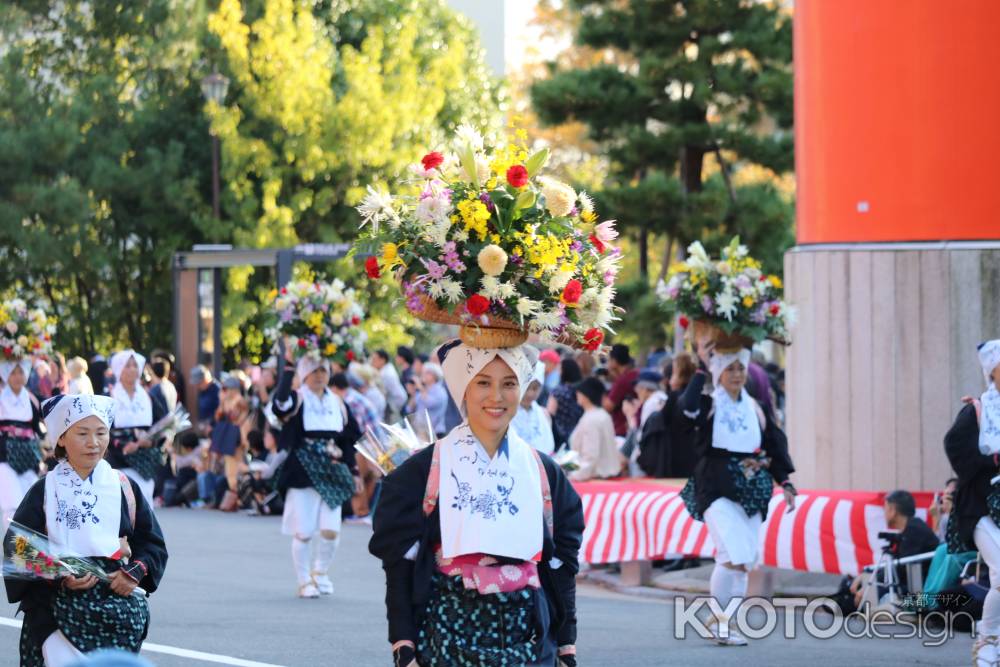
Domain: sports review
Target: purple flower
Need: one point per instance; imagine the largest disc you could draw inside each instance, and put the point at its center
(516, 259)
(759, 316)
(485, 198)
(434, 270)
(742, 282)
(707, 304)
(576, 246)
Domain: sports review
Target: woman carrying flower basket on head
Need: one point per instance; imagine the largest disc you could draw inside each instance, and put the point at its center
(480, 525)
(973, 445)
(87, 509)
(131, 452)
(23, 332)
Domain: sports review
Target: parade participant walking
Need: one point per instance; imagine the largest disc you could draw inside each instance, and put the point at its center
(742, 454)
(87, 508)
(501, 545)
(130, 451)
(972, 445)
(320, 473)
(20, 431)
(532, 421)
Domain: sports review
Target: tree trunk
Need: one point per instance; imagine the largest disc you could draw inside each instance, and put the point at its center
(668, 257)
(692, 159)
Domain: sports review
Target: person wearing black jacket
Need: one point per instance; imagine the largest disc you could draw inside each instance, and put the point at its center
(742, 454)
(500, 547)
(320, 473)
(972, 445)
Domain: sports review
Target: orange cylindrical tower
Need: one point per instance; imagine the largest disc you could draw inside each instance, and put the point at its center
(896, 120)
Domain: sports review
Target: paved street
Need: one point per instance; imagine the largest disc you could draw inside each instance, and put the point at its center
(229, 592)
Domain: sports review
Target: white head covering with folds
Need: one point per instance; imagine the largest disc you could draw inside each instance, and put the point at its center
(82, 516)
(135, 411)
(319, 413)
(309, 363)
(735, 425)
(989, 423)
(463, 362)
(15, 407)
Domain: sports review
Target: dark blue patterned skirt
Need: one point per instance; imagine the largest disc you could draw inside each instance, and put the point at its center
(753, 493)
(93, 619)
(464, 628)
(23, 454)
(146, 461)
(331, 479)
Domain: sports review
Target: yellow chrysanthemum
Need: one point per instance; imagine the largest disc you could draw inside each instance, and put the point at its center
(775, 281)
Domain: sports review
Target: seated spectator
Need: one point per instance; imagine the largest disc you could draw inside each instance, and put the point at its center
(207, 399)
(593, 439)
(258, 492)
(532, 420)
(187, 463)
(562, 405)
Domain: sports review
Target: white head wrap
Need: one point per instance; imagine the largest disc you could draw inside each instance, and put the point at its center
(989, 357)
(120, 360)
(539, 374)
(61, 412)
(723, 360)
(7, 367)
(461, 363)
(308, 364)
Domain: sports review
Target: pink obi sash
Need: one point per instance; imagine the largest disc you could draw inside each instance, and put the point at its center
(484, 574)
(13, 431)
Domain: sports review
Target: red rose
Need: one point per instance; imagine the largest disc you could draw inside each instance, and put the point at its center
(517, 176)
(775, 309)
(432, 160)
(572, 292)
(350, 355)
(284, 290)
(8, 351)
(371, 267)
(477, 305)
(597, 243)
(593, 339)
(684, 321)
(302, 342)
(355, 320)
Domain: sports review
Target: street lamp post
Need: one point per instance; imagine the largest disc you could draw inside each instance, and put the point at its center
(214, 88)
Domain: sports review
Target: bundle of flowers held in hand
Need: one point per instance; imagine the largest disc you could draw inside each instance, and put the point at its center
(322, 319)
(485, 241)
(731, 293)
(24, 331)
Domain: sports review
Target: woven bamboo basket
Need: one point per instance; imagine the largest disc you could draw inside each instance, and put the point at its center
(724, 341)
(499, 333)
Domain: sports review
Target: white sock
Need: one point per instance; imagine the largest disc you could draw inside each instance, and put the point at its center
(721, 585)
(739, 582)
(300, 559)
(325, 551)
(990, 624)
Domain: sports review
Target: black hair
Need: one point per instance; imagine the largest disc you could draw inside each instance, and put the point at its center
(255, 440)
(950, 480)
(187, 439)
(569, 371)
(340, 381)
(406, 353)
(903, 502)
(620, 353)
(382, 353)
(159, 369)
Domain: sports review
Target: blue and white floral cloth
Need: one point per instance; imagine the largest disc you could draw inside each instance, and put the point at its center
(735, 424)
(989, 423)
(83, 516)
(489, 505)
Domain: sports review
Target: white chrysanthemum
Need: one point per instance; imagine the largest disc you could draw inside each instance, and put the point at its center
(725, 304)
(559, 280)
(546, 320)
(452, 290)
(507, 290)
(468, 136)
(492, 260)
(527, 307)
(376, 208)
(435, 289)
(491, 287)
(586, 202)
(559, 197)
(460, 236)
(433, 210)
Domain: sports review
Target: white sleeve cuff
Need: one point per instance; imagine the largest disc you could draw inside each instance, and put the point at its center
(411, 554)
(285, 404)
(555, 563)
(692, 415)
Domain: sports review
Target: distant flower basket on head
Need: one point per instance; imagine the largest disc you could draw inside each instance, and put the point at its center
(321, 319)
(489, 244)
(24, 331)
(731, 296)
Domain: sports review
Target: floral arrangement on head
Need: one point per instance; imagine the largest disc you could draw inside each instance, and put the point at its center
(24, 331)
(488, 241)
(322, 319)
(732, 294)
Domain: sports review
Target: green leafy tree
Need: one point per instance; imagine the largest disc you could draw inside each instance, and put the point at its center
(102, 163)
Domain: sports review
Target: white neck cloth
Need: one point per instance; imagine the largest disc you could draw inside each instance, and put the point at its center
(83, 516)
(61, 412)
(322, 413)
(462, 363)
(15, 407)
(989, 423)
(7, 367)
(135, 411)
(489, 506)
